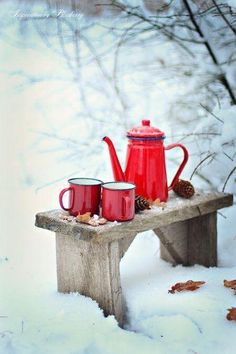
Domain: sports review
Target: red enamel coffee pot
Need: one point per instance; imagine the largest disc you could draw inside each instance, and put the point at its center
(145, 162)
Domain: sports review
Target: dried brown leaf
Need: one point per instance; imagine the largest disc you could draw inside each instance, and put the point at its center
(230, 284)
(92, 221)
(84, 218)
(157, 202)
(231, 316)
(189, 285)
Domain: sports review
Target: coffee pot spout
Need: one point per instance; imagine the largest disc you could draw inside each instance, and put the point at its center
(115, 163)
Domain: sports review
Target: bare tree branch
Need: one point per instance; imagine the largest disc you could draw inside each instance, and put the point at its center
(228, 177)
(222, 77)
(200, 163)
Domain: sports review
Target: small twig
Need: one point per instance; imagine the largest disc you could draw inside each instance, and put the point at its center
(184, 135)
(194, 322)
(55, 136)
(55, 181)
(230, 158)
(224, 17)
(228, 177)
(221, 214)
(213, 115)
(201, 162)
(204, 178)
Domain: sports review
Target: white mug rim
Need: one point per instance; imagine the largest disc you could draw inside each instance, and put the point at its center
(70, 181)
(132, 186)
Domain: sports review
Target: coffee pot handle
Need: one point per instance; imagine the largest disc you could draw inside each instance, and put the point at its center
(61, 198)
(181, 167)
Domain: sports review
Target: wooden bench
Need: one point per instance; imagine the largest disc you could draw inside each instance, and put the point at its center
(88, 257)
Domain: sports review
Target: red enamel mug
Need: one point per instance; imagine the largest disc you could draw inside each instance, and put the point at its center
(84, 196)
(118, 201)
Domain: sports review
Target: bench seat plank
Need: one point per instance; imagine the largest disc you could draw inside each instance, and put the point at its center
(177, 209)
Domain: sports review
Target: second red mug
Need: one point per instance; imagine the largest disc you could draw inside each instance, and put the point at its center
(84, 196)
(118, 201)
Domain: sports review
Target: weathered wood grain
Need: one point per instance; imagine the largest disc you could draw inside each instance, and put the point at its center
(189, 242)
(176, 210)
(125, 242)
(92, 270)
(202, 240)
(173, 242)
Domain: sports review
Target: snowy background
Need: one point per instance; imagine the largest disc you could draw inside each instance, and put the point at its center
(59, 97)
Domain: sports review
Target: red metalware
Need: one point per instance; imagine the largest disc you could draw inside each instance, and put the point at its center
(85, 195)
(145, 162)
(118, 201)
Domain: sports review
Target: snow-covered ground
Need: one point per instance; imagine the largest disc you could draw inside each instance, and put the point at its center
(44, 140)
(39, 320)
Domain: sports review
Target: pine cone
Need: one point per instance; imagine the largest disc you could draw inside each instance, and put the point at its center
(141, 204)
(184, 189)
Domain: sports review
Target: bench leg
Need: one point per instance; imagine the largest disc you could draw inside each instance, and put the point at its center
(91, 269)
(189, 242)
(202, 240)
(173, 242)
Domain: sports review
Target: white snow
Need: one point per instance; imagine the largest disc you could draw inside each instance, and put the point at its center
(39, 320)
(47, 137)
(231, 3)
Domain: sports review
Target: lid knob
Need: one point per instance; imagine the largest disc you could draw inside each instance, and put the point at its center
(146, 122)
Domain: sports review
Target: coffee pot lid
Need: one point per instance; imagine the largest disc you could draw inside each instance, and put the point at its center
(145, 131)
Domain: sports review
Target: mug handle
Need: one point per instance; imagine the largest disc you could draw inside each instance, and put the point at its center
(181, 167)
(61, 198)
(126, 203)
